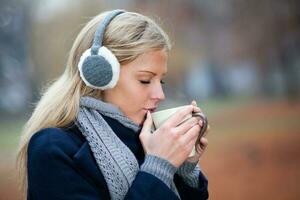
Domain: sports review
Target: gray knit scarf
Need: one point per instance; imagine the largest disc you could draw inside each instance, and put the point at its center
(115, 160)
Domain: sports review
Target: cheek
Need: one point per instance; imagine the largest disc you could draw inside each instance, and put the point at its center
(139, 95)
(132, 93)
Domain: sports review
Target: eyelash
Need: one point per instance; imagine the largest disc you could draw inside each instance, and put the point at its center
(148, 82)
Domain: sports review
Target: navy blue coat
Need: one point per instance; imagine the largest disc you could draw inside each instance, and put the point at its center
(61, 166)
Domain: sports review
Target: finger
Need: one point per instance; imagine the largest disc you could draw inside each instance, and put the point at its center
(204, 122)
(179, 116)
(196, 108)
(193, 141)
(192, 144)
(202, 144)
(191, 135)
(188, 124)
(147, 125)
(194, 103)
(190, 147)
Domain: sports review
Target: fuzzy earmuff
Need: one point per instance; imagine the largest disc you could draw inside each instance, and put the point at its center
(99, 71)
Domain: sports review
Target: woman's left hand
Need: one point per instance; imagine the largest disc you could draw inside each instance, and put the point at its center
(203, 143)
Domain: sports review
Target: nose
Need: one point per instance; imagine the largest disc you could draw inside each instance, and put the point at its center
(158, 93)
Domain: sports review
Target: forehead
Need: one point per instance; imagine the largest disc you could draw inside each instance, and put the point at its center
(152, 61)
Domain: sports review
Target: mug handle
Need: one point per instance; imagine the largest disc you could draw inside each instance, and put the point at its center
(204, 126)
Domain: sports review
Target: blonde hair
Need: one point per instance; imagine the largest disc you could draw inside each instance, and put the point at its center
(127, 36)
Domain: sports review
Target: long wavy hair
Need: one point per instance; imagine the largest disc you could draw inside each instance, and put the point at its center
(128, 35)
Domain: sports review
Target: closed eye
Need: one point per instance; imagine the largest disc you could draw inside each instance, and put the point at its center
(148, 82)
(145, 82)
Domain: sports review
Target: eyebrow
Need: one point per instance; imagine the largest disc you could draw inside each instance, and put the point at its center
(150, 72)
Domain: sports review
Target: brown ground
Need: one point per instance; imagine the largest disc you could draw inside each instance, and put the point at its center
(258, 156)
(253, 153)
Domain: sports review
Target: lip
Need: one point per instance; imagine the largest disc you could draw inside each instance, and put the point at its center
(150, 109)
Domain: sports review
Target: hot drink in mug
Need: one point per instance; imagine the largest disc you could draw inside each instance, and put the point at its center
(160, 117)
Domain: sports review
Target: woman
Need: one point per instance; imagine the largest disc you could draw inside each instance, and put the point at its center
(90, 136)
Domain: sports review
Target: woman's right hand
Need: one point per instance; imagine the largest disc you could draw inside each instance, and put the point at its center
(171, 141)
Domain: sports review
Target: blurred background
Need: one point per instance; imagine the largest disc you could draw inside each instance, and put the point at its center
(239, 59)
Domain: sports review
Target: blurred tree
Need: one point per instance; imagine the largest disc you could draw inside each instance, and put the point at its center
(226, 34)
(14, 78)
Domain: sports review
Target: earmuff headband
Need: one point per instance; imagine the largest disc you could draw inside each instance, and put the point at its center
(98, 38)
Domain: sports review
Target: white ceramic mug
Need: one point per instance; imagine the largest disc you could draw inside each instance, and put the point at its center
(160, 117)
